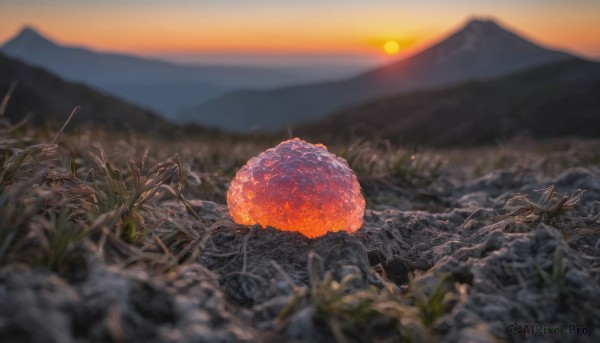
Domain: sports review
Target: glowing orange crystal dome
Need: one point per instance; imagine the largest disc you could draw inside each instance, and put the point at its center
(297, 186)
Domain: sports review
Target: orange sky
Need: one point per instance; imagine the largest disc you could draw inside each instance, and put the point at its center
(337, 27)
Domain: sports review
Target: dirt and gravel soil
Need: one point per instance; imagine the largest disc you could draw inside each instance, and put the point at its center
(505, 270)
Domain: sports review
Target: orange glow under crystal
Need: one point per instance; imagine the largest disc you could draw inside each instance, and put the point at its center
(297, 186)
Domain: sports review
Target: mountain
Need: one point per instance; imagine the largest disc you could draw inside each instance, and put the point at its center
(480, 50)
(555, 100)
(44, 96)
(155, 84)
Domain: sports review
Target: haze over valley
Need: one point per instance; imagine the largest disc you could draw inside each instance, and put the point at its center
(479, 57)
(159, 85)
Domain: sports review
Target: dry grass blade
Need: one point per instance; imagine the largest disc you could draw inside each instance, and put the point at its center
(26, 162)
(71, 116)
(7, 96)
(551, 204)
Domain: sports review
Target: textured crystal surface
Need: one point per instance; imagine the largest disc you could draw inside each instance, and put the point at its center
(297, 186)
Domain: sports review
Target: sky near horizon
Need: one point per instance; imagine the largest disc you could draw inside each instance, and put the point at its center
(292, 28)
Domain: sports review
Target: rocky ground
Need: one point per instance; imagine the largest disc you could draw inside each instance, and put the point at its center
(480, 245)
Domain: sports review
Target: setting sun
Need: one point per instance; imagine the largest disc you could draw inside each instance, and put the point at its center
(391, 47)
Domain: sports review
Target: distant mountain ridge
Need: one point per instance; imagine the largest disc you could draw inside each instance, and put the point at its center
(554, 100)
(155, 84)
(81, 64)
(43, 96)
(480, 50)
